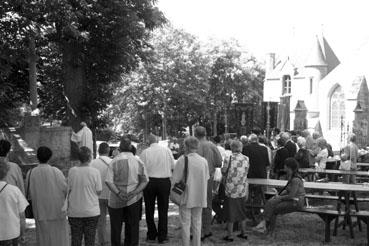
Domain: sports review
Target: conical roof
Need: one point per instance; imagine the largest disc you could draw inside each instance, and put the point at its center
(316, 56)
(330, 57)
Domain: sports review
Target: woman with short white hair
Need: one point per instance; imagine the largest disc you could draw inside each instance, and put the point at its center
(302, 155)
(194, 199)
(235, 171)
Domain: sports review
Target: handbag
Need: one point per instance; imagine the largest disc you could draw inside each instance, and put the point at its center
(177, 192)
(221, 190)
(345, 165)
(29, 211)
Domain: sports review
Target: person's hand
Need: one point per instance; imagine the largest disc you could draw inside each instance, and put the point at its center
(22, 240)
(130, 195)
(122, 196)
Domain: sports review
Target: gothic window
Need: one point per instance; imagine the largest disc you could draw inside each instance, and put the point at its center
(311, 85)
(286, 84)
(337, 108)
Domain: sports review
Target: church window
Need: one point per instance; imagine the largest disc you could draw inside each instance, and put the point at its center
(311, 85)
(286, 83)
(337, 108)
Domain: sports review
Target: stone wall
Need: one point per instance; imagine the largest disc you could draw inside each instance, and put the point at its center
(57, 139)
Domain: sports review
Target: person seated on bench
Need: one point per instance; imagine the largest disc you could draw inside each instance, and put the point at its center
(290, 199)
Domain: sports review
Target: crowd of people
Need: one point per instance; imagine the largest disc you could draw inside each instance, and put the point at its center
(120, 186)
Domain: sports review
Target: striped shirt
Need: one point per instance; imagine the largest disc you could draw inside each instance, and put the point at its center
(125, 171)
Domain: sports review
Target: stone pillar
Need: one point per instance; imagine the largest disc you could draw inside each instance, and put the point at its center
(300, 122)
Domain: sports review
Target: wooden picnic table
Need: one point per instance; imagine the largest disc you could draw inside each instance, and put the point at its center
(333, 186)
(332, 171)
(345, 192)
(362, 164)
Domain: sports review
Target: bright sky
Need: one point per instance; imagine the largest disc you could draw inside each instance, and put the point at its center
(264, 26)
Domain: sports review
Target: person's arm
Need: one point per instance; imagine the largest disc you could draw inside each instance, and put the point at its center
(142, 181)
(98, 183)
(20, 182)
(225, 165)
(110, 183)
(22, 205)
(217, 156)
(178, 170)
(22, 221)
(171, 159)
(294, 186)
(62, 182)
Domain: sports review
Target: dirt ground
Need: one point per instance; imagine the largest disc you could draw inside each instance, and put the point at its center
(291, 229)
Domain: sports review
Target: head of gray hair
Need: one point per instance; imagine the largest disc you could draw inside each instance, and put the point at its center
(152, 138)
(191, 144)
(200, 132)
(301, 142)
(322, 143)
(253, 138)
(285, 135)
(236, 146)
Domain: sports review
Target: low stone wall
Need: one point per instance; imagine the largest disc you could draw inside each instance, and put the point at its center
(57, 139)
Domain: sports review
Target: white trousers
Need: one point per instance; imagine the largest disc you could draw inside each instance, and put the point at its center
(190, 218)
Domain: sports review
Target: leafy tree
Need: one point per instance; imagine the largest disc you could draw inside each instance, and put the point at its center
(235, 76)
(91, 43)
(171, 83)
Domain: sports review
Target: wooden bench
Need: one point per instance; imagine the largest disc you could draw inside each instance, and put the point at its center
(363, 216)
(327, 215)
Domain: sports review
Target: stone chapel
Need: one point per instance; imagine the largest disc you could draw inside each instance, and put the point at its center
(317, 91)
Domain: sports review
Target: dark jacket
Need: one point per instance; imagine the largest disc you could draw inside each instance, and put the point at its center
(291, 147)
(302, 157)
(258, 158)
(280, 156)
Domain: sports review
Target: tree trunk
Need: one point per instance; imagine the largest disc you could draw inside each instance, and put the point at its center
(32, 61)
(215, 121)
(74, 83)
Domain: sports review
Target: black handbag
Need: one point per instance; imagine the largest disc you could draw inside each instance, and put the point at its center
(221, 191)
(29, 211)
(179, 188)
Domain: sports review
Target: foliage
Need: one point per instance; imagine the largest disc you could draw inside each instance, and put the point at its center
(184, 81)
(87, 44)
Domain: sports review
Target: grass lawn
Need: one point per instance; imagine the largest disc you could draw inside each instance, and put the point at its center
(291, 229)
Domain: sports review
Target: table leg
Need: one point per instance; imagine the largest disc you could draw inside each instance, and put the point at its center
(348, 213)
(357, 209)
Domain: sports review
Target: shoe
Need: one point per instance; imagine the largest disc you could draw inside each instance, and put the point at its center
(150, 240)
(262, 230)
(206, 236)
(242, 236)
(228, 239)
(165, 240)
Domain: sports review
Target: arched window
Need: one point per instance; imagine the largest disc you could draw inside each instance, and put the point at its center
(336, 108)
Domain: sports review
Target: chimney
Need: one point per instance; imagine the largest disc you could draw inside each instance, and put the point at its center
(269, 62)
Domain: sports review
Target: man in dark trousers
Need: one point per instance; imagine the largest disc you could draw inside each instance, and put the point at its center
(259, 162)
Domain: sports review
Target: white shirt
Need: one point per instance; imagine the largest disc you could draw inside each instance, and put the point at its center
(102, 164)
(12, 203)
(83, 138)
(83, 185)
(322, 157)
(158, 160)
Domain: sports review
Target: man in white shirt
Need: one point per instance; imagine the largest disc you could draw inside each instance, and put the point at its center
(83, 137)
(159, 162)
(102, 164)
(14, 175)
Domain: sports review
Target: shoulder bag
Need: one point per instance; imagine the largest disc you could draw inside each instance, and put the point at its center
(3, 187)
(221, 190)
(177, 192)
(29, 211)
